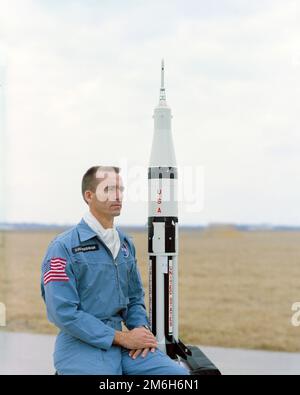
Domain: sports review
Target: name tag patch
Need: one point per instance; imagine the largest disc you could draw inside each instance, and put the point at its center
(87, 248)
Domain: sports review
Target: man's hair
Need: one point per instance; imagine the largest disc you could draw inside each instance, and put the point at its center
(90, 181)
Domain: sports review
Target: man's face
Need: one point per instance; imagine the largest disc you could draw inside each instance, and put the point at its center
(107, 199)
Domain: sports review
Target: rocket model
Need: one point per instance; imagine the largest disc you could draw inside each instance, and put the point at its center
(163, 229)
(163, 240)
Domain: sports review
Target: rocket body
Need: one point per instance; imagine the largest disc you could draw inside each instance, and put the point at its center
(163, 229)
(163, 245)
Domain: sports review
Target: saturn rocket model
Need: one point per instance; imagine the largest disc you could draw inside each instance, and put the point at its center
(163, 243)
(163, 231)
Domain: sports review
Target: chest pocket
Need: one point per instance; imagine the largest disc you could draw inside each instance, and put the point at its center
(91, 264)
(97, 274)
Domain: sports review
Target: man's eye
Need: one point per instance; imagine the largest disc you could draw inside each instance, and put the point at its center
(113, 189)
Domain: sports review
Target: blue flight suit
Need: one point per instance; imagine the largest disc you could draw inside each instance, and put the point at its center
(88, 294)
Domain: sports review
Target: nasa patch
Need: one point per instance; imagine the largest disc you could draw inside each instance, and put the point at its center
(125, 250)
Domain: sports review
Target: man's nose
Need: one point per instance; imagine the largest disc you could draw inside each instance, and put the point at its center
(119, 195)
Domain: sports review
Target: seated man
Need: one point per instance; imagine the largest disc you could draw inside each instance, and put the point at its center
(91, 284)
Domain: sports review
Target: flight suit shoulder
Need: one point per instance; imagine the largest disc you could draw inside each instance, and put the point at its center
(64, 240)
(66, 235)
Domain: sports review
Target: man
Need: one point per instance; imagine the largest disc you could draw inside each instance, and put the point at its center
(91, 284)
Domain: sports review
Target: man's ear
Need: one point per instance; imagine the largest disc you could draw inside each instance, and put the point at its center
(88, 196)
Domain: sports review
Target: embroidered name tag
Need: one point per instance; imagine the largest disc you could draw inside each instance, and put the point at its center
(88, 248)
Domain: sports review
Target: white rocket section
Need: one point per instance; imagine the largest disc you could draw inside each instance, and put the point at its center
(163, 197)
(161, 264)
(162, 153)
(175, 287)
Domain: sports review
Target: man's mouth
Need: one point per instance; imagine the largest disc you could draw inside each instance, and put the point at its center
(116, 205)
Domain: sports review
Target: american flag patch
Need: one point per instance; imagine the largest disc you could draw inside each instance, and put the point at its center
(55, 270)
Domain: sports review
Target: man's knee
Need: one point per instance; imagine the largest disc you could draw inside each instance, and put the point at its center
(172, 367)
(157, 363)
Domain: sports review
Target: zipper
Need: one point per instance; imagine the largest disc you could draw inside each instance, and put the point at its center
(115, 264)
(109, 251)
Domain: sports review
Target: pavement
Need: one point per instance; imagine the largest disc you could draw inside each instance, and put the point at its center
(24, 353)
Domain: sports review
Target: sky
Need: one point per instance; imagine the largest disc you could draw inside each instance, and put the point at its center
(79, 81)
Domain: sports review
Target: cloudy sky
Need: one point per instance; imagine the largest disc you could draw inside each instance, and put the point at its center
(80, 79)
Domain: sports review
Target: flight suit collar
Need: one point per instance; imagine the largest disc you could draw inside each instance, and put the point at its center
(87, 233)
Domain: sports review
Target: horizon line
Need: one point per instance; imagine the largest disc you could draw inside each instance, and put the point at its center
(209, 224)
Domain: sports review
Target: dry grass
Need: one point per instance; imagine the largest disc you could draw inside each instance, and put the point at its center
(236, 288)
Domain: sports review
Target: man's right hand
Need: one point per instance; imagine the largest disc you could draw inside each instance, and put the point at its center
(137, 338)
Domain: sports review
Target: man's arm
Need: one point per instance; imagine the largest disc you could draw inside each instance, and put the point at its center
(62, 301)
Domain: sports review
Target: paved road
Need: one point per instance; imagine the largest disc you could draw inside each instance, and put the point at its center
(32, 354)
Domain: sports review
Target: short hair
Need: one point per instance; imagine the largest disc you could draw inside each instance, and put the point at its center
(89, 180)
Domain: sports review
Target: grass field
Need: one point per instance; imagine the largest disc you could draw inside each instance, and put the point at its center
(236, 288)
